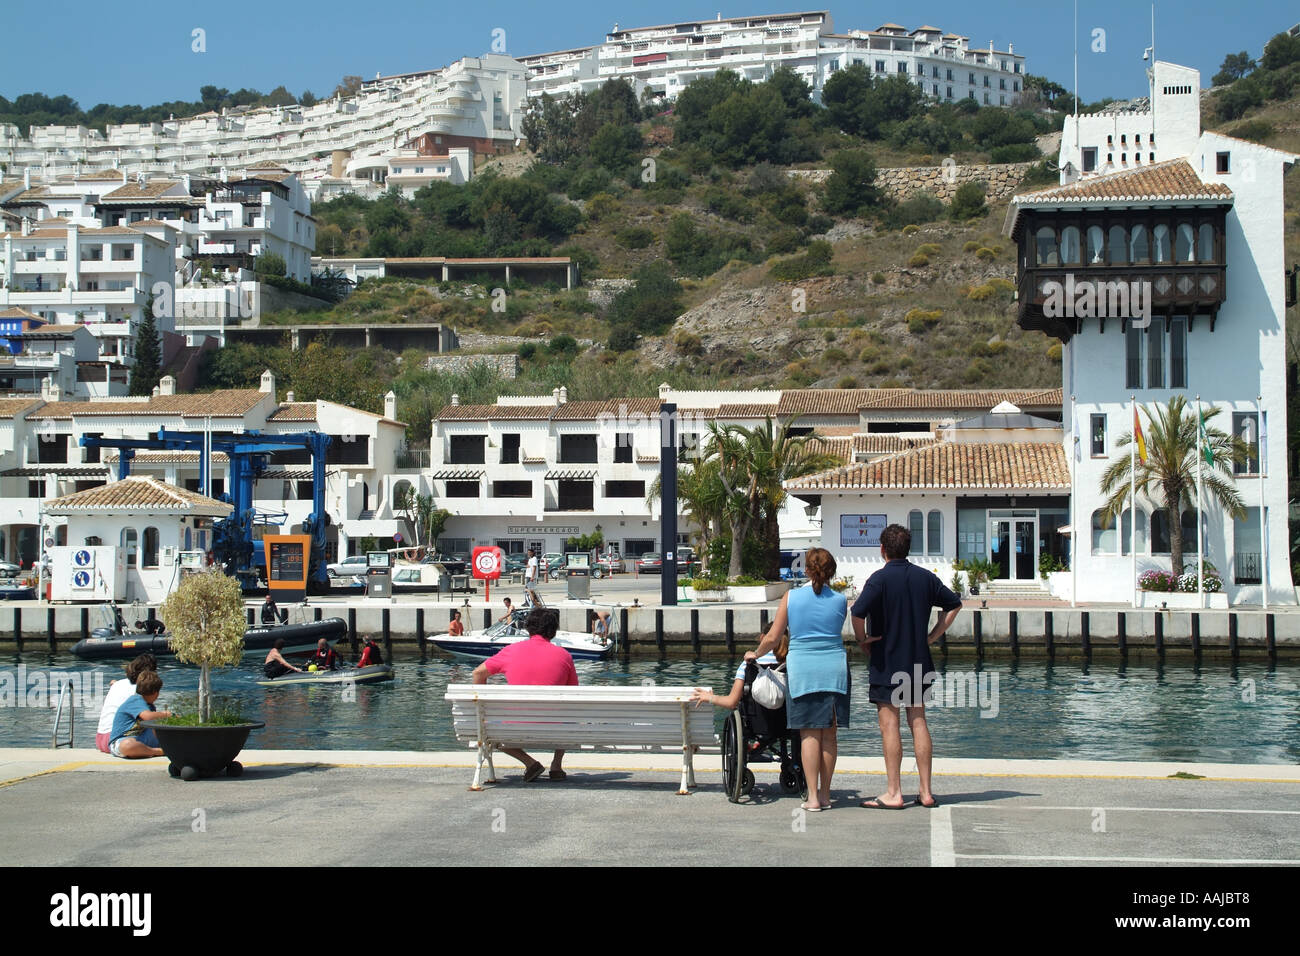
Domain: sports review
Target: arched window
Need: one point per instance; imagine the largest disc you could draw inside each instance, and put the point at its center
(1104, 535)
(1048, 254)
(1191, 541)
(1160, 543)
(916, 525)
(1096, 251)
(1126, 532)
(1138, 248)
(1205, 244)
(1070, 246)
(934, 532)
(149, 553)
(1118, 245)
(1184, 246)
(130, 546)
(1160, 244)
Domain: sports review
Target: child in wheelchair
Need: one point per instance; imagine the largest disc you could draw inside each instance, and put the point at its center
(753, 733)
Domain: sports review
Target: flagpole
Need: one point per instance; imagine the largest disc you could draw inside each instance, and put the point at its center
(1200, 521)
(1132, 499)
(1074, 509)
(1263, 526)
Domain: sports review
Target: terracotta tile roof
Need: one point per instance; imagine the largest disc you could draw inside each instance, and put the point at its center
(104, 174)
(826, 401)
(150, 190)
(151, 222)
(886, 444)
(963, 398)
(226, 403)
(30, 195)
(473, 413)
(18, 313)
(294, 412)
(1020, 466)
(10, 407)
(647, 459)
(744, 411)
(841, 446)
(1172, 179)
(56, 329)
(138, 493)
(619, 407)
(267, 164)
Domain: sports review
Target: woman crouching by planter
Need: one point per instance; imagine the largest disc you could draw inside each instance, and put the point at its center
(818, 671)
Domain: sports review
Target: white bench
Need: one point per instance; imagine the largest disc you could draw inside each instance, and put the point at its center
(644, 719)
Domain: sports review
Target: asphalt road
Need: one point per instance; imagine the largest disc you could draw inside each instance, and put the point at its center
(424, 815)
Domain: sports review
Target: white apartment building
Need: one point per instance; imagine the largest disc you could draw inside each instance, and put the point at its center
(476, 97)
(533, 471)
(101, 278)
(408, 170)
(41, 459)
(667, 58)
(56, 360)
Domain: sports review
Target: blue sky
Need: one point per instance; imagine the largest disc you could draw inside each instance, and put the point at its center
(96, 52)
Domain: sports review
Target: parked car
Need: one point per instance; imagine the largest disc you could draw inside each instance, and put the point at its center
(515, 564)
(9, 570)
(451, 563)
(552, 564)
(652, 562)
(606, 565)
(351, 566)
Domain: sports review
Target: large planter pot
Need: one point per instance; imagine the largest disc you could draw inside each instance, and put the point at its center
(758, 593)
(719, 595)
(196, 752)
(1182, 600)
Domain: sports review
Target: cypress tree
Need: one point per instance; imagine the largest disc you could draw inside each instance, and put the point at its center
(148, 358)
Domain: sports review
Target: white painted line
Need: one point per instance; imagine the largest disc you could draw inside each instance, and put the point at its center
(941, 853)
(1123, 859)
(1292, 813)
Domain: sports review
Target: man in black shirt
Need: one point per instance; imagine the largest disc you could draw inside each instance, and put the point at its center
(898, 599)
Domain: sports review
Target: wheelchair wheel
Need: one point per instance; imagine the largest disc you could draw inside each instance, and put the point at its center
(733, 757)
(747, 785)
(791, 779)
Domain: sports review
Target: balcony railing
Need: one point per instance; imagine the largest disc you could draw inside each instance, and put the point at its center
(1246, 568)
(1191, 288)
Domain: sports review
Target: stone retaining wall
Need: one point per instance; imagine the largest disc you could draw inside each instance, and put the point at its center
(507, 366)
(899, 182)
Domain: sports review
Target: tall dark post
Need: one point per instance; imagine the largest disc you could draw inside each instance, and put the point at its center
(668, 502)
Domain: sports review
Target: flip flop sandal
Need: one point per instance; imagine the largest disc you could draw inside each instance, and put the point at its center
(875, 804)
(929, 806)
(533, 773)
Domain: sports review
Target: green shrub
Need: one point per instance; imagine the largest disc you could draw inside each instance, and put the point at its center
(928, 249)
(816, 261)
(878, 278)
(1054, 352)
(1256, 131)
(970, 246)
(688, 342)
(1015, 153)
(967, 202)
(563, 344)
(985, 254)
(634, 237)
(910, 229)
(847, 381)
(919, 260)
(835, 355)
(916, 208)
(527, 350)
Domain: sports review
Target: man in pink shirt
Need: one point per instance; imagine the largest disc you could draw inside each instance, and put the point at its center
(534, 661)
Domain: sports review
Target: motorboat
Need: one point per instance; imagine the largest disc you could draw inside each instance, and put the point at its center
(480, 645)
(113, 639)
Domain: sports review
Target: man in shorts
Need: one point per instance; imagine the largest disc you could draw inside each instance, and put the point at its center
(898, 599)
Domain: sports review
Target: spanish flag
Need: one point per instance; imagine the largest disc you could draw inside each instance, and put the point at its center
(1138, 437)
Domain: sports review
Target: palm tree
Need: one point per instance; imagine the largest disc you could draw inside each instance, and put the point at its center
(1170, 469)
(700, 494)
(754, 464)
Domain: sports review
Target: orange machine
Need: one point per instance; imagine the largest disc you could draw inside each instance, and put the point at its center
(286, 566)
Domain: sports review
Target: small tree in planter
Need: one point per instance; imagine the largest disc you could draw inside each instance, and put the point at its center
(205, 617)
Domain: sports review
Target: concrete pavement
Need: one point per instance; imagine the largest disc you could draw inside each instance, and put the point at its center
(399, 809)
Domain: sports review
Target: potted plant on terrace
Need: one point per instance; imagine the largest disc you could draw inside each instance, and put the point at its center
(205, 616)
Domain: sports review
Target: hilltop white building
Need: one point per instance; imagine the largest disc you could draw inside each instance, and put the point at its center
(665, 59)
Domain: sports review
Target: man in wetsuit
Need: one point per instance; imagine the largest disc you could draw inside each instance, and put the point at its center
(324, 659)
(371, 655)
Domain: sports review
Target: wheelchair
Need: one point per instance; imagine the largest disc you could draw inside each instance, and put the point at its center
(753, 734)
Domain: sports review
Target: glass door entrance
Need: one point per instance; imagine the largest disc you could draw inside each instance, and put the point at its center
(1013, 547)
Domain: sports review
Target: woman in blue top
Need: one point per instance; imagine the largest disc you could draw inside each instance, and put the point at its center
(818, 670)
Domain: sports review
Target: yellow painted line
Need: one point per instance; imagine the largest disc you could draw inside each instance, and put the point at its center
(42, 773)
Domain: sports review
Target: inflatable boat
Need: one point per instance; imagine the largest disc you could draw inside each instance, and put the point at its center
(374, 674)
(480, 645)
(109, 642)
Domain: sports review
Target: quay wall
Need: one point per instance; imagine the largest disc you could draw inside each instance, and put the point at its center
(713, 631)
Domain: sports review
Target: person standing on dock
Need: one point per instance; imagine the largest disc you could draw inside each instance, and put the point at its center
(530, 578)
(898, 599)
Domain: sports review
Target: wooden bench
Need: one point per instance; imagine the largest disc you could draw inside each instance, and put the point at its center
(638, 719)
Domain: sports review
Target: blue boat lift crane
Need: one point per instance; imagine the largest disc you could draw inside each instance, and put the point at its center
(248, 453)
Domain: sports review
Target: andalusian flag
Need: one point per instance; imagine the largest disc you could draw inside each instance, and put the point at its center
(1138, 437)
(1207, 450)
